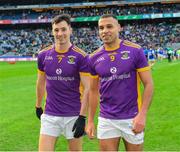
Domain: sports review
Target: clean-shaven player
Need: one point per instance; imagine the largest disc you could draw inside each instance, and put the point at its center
(119, 66)
(62, 67)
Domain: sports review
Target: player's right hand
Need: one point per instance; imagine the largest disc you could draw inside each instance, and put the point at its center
(90, 130)
(39, 112)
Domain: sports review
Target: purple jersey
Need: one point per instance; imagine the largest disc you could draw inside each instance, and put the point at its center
(119, 81)
(62, 72)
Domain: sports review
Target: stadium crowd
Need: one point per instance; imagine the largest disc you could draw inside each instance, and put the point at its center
(86, 12)
(26, 42)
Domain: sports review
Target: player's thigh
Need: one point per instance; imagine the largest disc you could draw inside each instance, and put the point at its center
(50, 125)
(133, 147)
(111, 144)
(108, 134)
(107, 129)
(75, 144)
(49, 132)
(68, 125)
(128, 135)
(133, 142)
(47, 143)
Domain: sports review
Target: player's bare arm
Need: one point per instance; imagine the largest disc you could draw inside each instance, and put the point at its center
(84, 101)
(79, 125)
(93, 102)
(40, 91)
(140, 119)
(40, 88)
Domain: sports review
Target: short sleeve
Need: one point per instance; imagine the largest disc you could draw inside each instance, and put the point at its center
(83, 64)
(141, 62)
(91, 67)
(40, 61)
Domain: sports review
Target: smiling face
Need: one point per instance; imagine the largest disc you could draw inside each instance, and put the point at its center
(61, 32)
(109, 29)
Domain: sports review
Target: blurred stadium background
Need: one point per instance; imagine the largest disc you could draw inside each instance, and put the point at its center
(25, 29)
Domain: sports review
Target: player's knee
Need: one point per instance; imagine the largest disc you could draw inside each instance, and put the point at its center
(75, 144)
(105, 146)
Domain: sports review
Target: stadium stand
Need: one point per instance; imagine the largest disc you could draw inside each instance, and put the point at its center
(27, 39)
(86, 12)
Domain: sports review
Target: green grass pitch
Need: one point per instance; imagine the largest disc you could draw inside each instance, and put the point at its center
(19, 127)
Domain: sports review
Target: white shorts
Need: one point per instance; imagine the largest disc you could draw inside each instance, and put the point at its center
(109, 128)
(56, 126)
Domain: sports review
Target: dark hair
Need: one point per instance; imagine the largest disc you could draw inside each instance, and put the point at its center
(59, 18)
(109, 15)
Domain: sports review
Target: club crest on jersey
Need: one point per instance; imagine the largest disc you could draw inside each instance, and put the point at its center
(58, 71)
(125, 55)
(60, 57)
(71, 59)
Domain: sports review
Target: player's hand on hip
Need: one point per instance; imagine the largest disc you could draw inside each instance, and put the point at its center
(79, 126)
(39, 112)
(139, 123)
(90, 130)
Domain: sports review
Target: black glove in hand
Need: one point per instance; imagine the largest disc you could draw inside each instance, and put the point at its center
(39, 112)
(79, 126)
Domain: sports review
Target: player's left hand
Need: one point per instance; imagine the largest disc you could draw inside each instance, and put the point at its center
(79, 126)
(139, 123)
